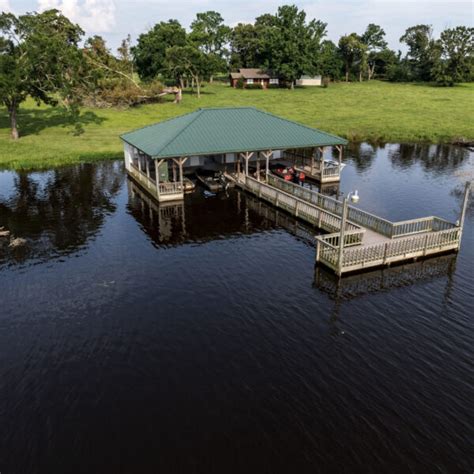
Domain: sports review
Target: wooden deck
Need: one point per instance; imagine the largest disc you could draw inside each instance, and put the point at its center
(168, 191)
(369, 241)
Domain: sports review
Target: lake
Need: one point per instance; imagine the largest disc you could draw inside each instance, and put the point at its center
(201, 338)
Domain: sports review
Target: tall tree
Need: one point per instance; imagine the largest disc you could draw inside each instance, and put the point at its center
(329, 61)
(374, 39)
(188, 61)
(211, 35)
(422, 51)
(353, 52)
(40, 58)
(289, 43)
(457, 56)
(150, 51)
(245, 46)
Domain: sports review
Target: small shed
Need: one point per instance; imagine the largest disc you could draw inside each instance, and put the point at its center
(251, 76)
(309, 81)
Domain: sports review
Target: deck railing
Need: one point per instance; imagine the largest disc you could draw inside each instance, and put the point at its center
(305, 210)
(360, 217)
(165, 188)
(143, 179)
(380, 254)
(170, 188)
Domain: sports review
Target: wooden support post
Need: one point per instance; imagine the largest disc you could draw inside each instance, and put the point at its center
(181, 162)
(425, 244)
(321, 165)
(339, 149)
(246, 156)
(139, 162)
(147, 168)
(341, 237)
(467, 190)
(267, 154)
(157, 175)
(385, 252)
(174, 171)
(258, 166)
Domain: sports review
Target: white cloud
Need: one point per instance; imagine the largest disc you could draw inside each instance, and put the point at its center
(94, 16)
(5, 6)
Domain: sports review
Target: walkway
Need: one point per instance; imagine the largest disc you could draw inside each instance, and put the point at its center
(369, 240)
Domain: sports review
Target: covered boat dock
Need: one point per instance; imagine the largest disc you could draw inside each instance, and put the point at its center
(157, 156)
(238, 138)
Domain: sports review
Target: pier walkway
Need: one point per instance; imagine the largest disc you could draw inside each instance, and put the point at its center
(369, 240)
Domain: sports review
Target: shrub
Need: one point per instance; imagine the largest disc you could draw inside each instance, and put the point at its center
(253, 86)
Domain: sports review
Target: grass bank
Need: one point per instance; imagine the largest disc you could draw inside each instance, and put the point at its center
(370, 111)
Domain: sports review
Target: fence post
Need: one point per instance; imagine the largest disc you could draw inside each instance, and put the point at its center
(467, 190)
(341, 237)
(425, 245)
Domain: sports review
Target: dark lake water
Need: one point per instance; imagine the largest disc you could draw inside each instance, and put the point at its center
(200, 338)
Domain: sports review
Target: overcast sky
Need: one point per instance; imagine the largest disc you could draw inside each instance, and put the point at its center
(114, 19)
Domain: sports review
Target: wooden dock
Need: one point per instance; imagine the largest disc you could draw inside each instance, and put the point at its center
(369, 241)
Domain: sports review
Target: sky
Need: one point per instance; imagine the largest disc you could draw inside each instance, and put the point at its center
(114, 19)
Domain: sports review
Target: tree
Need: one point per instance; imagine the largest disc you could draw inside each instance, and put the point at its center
(381, 61)
(245, 46)
(457, 56)
(353, 51)
(374, 39)
(150, 52)
(210, 34)
(188, 61)
(40, 58)
(423, 52)
(289, 45)
(111, 81)
(125, 55)
(329, 62)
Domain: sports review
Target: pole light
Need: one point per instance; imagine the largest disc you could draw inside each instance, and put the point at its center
(354, 197)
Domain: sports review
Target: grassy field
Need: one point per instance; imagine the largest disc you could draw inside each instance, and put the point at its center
(371, 111)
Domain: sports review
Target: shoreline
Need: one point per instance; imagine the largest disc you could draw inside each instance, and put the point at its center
(374, 112)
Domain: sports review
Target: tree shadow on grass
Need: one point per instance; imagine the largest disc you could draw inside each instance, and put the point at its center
(194, 92)
(435, 85)
(33, 121)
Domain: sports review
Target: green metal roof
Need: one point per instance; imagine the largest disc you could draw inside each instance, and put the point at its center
(225, 130)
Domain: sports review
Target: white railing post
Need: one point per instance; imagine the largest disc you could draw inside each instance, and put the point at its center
(341, 237)
(467, 190)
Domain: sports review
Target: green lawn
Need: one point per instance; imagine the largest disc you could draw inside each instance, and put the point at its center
(373, 111)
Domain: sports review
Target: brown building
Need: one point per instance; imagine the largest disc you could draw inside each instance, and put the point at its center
(253, 76)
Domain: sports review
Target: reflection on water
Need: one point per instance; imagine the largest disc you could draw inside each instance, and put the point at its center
(433, 158)
(57, 211)
(200, 218)
(384, 279)
(200, 336)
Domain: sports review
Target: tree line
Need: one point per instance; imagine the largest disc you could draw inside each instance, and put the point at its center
(44, 56)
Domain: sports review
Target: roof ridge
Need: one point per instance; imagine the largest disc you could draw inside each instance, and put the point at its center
(160, 122)
(229, 107)
(298, 123)
(198, 114)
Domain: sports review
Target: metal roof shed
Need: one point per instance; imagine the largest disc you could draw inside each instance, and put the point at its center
(225, 130)
(214, 131)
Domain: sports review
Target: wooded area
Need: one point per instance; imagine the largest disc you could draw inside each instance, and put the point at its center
(45, 56)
